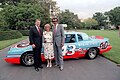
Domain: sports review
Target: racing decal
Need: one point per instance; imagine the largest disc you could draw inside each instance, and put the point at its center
(64, 50)
(71, 49)
(88, 44)
(81, 51)
(68, 50)
(13, 56)
(104, 45)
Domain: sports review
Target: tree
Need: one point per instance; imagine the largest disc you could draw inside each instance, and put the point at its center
(3, 24)
(114, 16)
(49, 6)
(9, 2)
(100, 17)
(23, 15)
(90, 23)
(69, 18)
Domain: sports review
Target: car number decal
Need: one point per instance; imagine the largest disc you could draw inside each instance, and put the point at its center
(68, 50)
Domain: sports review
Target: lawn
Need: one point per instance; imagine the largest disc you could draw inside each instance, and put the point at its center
(114, 39)
(7, 43)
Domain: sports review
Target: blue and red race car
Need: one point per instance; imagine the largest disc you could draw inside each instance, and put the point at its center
(77, 44)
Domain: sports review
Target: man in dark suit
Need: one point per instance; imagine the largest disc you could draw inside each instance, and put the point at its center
(35, 37)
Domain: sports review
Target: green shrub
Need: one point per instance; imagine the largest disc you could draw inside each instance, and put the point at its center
(25, 32)
(6, 35)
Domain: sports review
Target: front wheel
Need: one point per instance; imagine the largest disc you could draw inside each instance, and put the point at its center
(27, 59)
(92, 53)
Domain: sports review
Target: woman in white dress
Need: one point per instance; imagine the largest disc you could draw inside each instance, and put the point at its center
(48, 45)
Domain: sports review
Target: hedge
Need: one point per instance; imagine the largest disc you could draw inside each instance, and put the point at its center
(6, 35)
(25, 32)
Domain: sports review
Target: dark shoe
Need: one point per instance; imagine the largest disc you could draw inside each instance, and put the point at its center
(118, 65)
(56, 65)
(40, 67)
(36, 69)
(61, 68)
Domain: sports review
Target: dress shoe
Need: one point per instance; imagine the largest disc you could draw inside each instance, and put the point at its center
(47, 65)
(40, 67)
(56, 65)
(36, 69)
(61, 68)
(50, 65)
(118, 65)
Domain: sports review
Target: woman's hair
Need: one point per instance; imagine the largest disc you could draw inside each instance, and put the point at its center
(47, 25)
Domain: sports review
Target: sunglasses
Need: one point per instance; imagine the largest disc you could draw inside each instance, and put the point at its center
(54, 21)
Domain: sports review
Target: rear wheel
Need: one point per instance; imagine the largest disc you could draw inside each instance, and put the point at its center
(92, 53)
(27, 59)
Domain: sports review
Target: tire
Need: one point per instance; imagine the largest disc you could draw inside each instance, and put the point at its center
(27, 59)
(92, 53)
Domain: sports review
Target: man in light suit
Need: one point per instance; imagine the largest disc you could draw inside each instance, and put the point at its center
(58, 42)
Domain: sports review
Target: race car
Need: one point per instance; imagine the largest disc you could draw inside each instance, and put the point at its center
(77, 44)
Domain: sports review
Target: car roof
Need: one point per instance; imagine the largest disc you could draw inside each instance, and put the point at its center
(73, 32)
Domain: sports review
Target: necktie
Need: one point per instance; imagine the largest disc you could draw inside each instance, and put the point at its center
(54, 30)
(39, 31)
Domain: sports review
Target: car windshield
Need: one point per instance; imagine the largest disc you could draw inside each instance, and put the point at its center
(70, 38)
